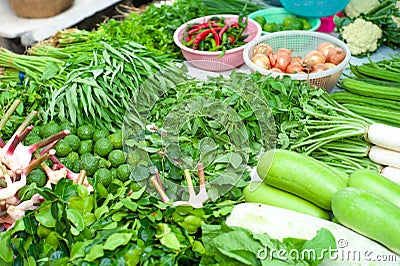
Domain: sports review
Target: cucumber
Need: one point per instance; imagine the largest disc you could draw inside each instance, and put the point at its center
(375, 183)
(369, 215)
(301, 175)
(259, 192)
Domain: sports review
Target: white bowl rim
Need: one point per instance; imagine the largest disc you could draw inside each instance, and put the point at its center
(325, 73)
(187, 49)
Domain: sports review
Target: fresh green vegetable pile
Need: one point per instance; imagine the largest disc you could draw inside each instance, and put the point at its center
(222, 123)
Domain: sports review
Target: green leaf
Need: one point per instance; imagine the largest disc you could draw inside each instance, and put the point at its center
(99, 212)
(50, 71)
(94, 253)
(235, 159)
(6, 253)
(76, 219)
(65, 189)
(116, 240)
(77, 250)
(129, 204)
(45, 217)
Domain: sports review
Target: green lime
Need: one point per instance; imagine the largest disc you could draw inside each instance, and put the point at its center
(85, 132)
(102, 133)
(104, 163)
(261, 20)
(297, 24)
(49, 129)
(270, 27)
(38, 176)
(116, 157)
(74, 141)
(31, 139)
(287, 21)
(68, 126)
(116, 139)
(103, 176)
(76, 167)
(306, 25)
(123, 172)
(90, 164)
(114, 173)
(103, 147)
(73, 156)
(86, 146)
(66, 162)
(62, 148)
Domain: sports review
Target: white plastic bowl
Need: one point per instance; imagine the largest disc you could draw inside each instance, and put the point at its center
(301, 42)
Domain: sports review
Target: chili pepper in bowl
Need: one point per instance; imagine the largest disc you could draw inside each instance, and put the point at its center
(215, 35)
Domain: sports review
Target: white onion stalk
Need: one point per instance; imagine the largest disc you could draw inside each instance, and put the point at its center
(391, 173)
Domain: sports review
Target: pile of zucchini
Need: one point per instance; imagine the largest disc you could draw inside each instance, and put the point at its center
(364, 201)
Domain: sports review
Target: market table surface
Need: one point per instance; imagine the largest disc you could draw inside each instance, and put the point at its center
(33, 30)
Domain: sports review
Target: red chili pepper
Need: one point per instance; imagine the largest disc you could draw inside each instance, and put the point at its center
(231, 39)
(235, 24)
(224, 28)
(199, 37)
(216, 37)
(200, 27)
(188, 38)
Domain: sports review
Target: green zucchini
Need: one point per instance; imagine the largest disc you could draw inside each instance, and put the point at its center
(375, 183)
(301, 175)
(369, 215)
(259, 192)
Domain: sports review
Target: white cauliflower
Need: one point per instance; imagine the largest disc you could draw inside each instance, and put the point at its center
(361, 36)
(356, 7)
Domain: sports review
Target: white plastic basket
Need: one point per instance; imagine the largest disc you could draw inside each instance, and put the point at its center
(301, 42)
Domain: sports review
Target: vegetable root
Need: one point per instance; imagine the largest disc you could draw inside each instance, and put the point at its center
(391, 173)
(384, 136)
(384, 156)
(196, 201)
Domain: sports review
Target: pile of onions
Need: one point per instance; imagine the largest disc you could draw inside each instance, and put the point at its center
(323, 58)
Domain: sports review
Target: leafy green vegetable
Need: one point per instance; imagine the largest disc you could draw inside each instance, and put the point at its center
(239, 246)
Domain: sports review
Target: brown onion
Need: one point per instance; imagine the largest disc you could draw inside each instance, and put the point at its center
(296, 59)
(319, 68)
(294, 67)
(274, 69)
(336, 55)
(263, 48)
(284, 50)
(282, 60)
(261, 60)
(325, 47)
(330, 65)
(313, 58)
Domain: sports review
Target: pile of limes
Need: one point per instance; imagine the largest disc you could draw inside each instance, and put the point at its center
(97, 151)
(290, 22)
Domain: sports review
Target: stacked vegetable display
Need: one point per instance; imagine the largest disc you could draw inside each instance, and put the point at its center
(316, 153)
(365, 201)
